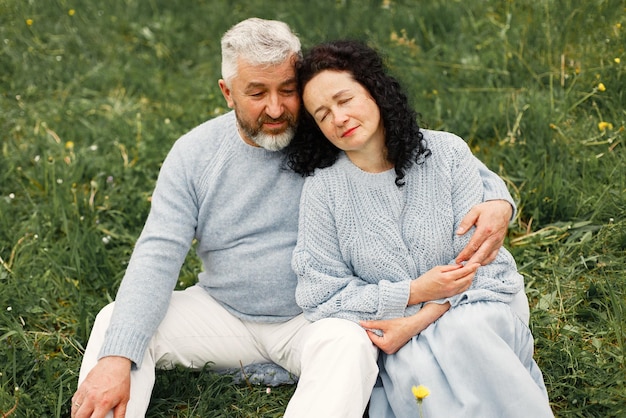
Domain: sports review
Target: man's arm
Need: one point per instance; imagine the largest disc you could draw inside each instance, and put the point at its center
(106, 388)
(491, 219)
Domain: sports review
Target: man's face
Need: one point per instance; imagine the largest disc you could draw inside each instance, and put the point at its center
(266, 103)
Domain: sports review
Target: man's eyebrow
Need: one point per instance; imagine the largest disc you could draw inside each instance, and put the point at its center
(254, 84)
(289, 81)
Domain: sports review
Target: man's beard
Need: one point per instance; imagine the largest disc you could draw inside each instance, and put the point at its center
(269, 141)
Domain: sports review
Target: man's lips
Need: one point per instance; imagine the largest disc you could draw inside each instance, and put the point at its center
(275, 125)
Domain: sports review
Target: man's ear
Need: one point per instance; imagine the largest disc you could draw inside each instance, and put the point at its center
(226, 93)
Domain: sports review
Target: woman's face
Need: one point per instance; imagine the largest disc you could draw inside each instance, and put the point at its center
(345, 112)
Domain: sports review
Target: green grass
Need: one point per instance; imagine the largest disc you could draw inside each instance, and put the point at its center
(91, 101)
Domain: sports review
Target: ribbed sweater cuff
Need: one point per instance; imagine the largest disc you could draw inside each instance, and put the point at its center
(494, 196)
(394, 298)
(125, 342)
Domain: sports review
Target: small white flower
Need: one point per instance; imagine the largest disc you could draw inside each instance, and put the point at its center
(59, 181)
(9, 309)
(93, 148)
(37, 158)
(106, 239)
(11, 195)
(268, 391)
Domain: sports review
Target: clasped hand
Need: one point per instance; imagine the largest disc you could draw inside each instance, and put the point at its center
(438, 283)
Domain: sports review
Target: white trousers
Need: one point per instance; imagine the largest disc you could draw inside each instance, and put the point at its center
(334, 358)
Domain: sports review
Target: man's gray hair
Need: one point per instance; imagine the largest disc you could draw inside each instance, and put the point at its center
(258, 42)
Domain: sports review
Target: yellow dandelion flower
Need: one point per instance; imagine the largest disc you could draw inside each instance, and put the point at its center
(420, 392)
(29, 22)
(71, 12)
(601, 87)
(69, 145)
(617, 60)
(603, 126)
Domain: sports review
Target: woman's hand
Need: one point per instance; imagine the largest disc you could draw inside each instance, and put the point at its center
(442, 282)
(397, 332)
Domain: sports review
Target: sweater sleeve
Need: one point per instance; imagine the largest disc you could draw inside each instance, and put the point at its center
(327, 286)
(499, 280)
(145, 291)
(495, 187)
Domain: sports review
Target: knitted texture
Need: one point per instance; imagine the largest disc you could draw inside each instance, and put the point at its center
(241, 207)
(362, 239)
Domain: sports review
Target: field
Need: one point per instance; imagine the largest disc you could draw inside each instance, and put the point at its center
(93, 94)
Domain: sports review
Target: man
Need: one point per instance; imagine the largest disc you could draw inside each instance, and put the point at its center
(224, 185)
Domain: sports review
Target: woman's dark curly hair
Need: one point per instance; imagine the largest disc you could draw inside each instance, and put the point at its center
(405, 143)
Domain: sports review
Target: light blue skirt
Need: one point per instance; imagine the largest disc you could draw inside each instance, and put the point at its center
(476, 360)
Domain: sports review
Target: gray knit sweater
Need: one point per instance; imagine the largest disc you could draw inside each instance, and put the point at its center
(362, 239)
(241, 207)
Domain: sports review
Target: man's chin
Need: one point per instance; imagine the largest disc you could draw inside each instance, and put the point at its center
(274, 142)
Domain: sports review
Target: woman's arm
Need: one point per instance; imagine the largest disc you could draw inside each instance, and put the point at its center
(491, 219)
(327, 286)
(442, 282)
(499, 279)
(397, 332)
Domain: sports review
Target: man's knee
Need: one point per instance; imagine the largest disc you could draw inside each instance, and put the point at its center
(341, 334)
(104, 316)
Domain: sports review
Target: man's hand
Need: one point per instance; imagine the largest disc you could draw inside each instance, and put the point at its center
(397, 332)
(492, 222)
(106, 388)
(442, 282)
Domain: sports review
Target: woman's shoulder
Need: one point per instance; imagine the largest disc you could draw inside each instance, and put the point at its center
(444, 144)
(442, 138)
(326, 182)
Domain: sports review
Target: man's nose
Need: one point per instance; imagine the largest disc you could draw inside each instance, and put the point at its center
(274, 106)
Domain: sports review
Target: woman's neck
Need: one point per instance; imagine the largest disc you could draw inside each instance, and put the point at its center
(370, 162)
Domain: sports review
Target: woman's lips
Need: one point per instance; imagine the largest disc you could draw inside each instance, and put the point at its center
(349, 132)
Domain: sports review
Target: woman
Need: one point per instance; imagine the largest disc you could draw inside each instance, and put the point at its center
(376, 228)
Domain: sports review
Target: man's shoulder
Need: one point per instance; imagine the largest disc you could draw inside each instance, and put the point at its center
(210, 131)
